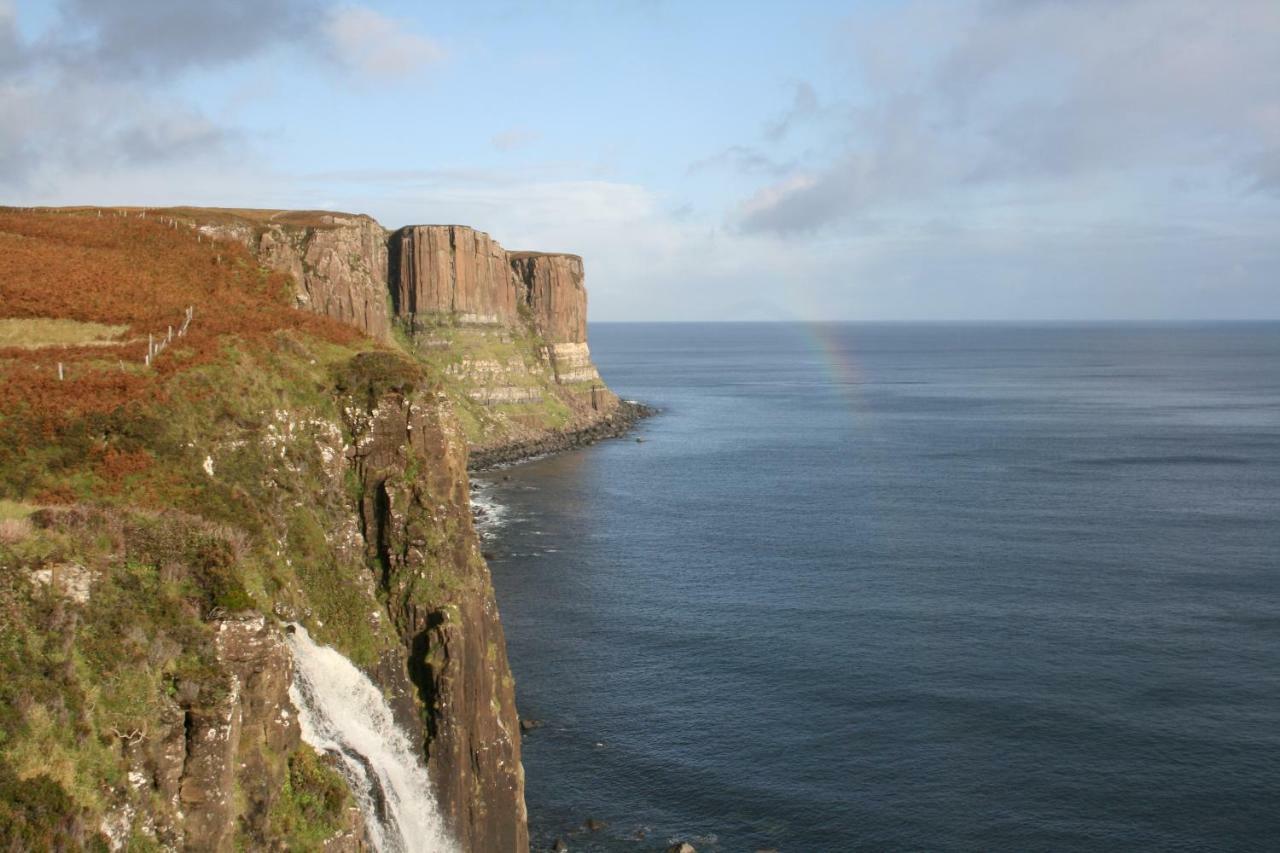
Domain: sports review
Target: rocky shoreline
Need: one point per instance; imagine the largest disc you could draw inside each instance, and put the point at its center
(617, 423)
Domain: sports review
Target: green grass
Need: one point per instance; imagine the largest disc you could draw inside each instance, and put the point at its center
(252, 536)
(38, 332)
(15, 510)
(312, 802)
(37, 814)
(442, 346)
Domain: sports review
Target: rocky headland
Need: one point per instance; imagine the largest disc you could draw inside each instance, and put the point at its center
(189, 463)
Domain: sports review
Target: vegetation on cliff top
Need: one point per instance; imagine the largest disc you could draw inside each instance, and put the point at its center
(138, 506)
(136, 272)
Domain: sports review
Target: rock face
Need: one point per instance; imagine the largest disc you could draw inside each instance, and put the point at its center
(338, 262)
(551, 285)
(225, 746)
(416, 521)
(454, 271)
(571, 362)
(341, 268)
(508, 328)
(212, 744)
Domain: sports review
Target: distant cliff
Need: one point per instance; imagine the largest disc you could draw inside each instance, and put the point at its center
(455, 271)
(508, 328)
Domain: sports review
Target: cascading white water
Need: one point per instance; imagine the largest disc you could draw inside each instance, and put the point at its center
(343, 713)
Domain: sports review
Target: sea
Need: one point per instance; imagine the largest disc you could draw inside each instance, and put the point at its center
(906, 587)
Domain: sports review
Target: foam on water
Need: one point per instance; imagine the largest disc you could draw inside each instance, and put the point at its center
(344, 714)
(489, 514)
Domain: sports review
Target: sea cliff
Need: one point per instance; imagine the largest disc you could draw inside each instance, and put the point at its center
(218, 423)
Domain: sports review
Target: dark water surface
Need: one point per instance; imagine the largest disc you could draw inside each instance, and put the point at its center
(908, 588)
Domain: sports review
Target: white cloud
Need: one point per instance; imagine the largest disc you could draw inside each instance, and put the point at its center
(95, 91)
(366, 40)
(513, 138)
(964, 97)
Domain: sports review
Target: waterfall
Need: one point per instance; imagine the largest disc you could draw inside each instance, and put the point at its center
(344, 714)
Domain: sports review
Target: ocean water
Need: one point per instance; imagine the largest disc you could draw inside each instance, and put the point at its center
(885, 587)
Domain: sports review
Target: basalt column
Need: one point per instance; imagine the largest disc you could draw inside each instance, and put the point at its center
(453, 272)
(551, 285)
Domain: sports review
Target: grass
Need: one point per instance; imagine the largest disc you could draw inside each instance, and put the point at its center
(14, 523)
(312, 802)
(486, 424)
(38, 332)
(15, 510)
(79, 268)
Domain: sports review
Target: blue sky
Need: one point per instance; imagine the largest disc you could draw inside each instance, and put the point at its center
(924, 160)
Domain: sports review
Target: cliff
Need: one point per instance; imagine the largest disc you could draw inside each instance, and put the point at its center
(509, 331)
(337, 262)
(455, 272)
(177, 487)
(551, 285)
(451, 271)
(409, 460)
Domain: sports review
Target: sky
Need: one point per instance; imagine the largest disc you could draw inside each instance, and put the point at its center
(916, 160)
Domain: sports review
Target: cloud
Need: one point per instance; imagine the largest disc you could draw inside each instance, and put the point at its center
(968, 97)
(804, 106)
(12, 50)
(368, 41)
(148, 38)
(513, 138)
(99, 128)
(744, 159)
(99, 88)
(153, 38)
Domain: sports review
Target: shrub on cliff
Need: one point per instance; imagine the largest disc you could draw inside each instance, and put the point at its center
(370, 375)
(36, 814)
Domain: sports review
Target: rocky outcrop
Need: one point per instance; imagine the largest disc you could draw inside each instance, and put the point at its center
(338, 262)
(551, 285)
(571, 362)
(464, 275)
(620, 420)
(213, 755)
(340, 267)
(509, 329)
(454, 271)
(410, 458)
(228, 744)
